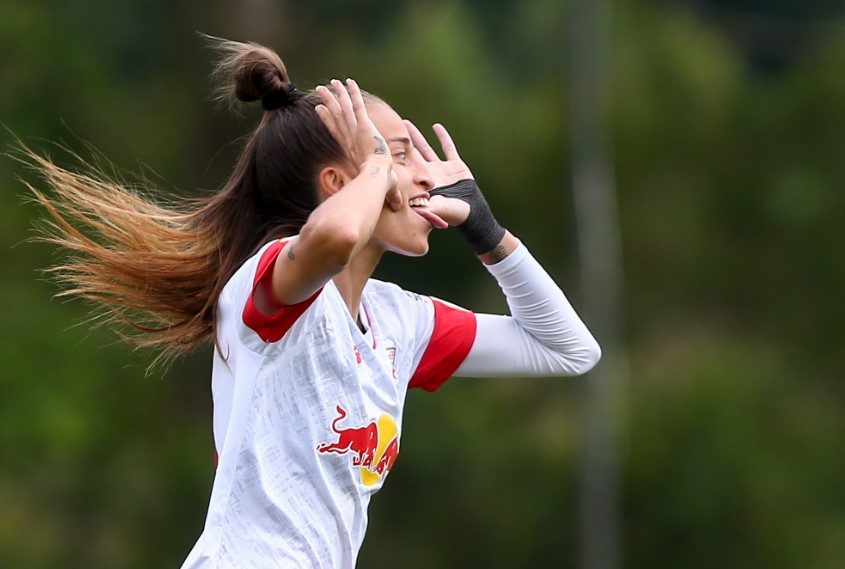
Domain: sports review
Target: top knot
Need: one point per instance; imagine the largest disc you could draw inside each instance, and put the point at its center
(254, 73)
(281, 98)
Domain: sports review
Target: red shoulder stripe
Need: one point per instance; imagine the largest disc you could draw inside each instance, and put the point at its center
(272, 328)
(451, 341)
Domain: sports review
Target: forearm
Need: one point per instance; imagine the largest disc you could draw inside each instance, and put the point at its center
(335, 231)
(543, 336)
(349, 216)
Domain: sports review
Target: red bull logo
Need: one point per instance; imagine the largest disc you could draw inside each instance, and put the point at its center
(373, 447)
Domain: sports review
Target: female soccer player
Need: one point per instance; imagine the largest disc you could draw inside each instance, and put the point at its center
(313, 358)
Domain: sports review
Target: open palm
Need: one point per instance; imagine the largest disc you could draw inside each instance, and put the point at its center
(443, 172)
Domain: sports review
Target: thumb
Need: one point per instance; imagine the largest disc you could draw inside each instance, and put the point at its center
(394, 198)
(452, 210)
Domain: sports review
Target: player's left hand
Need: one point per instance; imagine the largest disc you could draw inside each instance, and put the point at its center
(443, 172)
(456, 197)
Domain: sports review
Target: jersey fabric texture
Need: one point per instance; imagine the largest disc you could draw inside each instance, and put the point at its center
(308, 414)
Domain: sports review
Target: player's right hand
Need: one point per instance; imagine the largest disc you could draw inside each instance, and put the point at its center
(344, 113)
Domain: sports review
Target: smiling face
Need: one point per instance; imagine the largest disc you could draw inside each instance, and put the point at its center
(404, 231)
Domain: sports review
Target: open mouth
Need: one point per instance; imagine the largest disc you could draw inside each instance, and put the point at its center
(420, 207)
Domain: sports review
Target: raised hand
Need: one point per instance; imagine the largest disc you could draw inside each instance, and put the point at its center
(345, 115)
(456, 197)
(444, 172)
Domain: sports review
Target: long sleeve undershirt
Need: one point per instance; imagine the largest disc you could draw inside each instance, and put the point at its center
(542, 336)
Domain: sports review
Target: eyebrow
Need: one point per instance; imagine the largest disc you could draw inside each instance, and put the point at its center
(403, 139)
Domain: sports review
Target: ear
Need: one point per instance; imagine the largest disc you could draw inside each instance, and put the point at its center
(332, 179)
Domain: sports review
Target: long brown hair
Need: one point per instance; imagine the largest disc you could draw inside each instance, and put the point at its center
(157, 266)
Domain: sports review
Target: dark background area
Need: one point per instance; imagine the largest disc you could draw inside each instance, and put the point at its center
(728, 144)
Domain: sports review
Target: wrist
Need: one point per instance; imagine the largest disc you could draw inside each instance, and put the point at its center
(480, 229)
(379, 167)
(483, 233)
(382, 159)
(501, 251)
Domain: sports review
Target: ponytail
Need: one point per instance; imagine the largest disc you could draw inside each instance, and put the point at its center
(154, 268)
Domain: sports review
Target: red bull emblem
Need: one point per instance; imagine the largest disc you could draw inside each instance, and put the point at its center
(373, 447)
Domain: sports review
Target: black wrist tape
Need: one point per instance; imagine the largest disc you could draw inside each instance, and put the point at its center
(481, 230)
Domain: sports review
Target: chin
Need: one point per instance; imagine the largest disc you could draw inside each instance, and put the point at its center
(411, 249)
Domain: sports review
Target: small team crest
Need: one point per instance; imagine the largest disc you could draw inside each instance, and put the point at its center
(391, 356)
(390, 352)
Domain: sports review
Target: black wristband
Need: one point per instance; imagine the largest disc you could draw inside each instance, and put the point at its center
(480, 229)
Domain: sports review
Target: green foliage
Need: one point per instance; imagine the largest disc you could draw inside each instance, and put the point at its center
(730, 188)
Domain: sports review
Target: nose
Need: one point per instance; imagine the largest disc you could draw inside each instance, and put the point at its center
(422, 175)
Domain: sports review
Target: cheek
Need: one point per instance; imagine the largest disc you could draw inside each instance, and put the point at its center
(405, 179)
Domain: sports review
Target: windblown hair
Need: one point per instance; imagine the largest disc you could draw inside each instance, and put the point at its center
(154, 268)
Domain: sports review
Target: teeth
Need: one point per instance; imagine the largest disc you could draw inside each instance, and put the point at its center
(418, 202)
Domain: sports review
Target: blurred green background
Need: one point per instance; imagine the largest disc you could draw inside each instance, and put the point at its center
(727, 123)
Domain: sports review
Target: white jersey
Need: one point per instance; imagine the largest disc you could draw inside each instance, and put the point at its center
(308, 414)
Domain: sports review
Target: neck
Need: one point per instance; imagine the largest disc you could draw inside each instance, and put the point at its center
(350, 282)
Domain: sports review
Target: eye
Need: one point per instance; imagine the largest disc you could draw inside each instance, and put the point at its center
(401, 155)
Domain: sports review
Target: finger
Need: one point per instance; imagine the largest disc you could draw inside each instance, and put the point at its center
(449, 149)
(363, 117)
(328, 120)
(331, 105)
(394, 199)
(357, 99)
(420, 143)
(453, 211)
(329, 100)
(348, 115)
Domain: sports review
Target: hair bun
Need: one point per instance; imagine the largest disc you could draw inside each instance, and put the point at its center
(258, 74)
(281, 97)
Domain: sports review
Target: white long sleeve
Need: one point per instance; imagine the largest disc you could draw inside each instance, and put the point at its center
(544, 336)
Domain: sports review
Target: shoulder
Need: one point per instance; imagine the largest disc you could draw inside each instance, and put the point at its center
(245, 275)
(236, 304)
